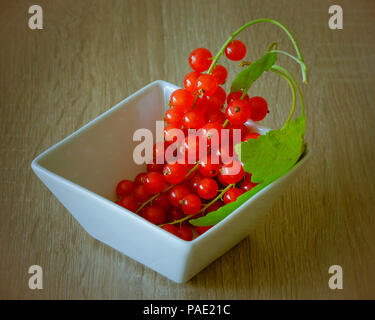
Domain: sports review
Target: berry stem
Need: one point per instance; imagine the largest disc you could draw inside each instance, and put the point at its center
(293, 94)
(218, 197)
(293, 80)
(165, 190)
(302, 63)
(286, 30)
(225, 123)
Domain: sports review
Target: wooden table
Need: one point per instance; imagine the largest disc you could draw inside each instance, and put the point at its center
(92, 54)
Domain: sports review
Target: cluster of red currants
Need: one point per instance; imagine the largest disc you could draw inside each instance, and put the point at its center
(169, 193)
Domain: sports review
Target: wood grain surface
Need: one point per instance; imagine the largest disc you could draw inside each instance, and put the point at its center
(92, 54)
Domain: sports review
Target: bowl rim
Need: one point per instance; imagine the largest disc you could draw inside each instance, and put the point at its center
(36, 166)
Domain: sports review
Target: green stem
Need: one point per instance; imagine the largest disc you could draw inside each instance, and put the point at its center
(165, 190)
(218, 197)
(302, 64)
(293, 94)
(295, 44)
(293, 80)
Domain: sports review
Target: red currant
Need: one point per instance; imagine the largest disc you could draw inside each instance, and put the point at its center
(207, 188)
(207, 84)
(182, 100)
(128, 202)
(251, 135)
(154, 182)
(154, 214)
(207, 168)
(247, 185)
(171, 228)
(124, 187)
(211, 133)
(199, 59)
(220, 73)
(190, 148)
(232, 194)
(159, 151)
(140, 193)
(162, 201)
(193, 119)
(259, 108)
(200, 230)
(237, 95)
(231, 172)
(216, 101)
(154, 167)
(216, 116)
(140, 178)
(177, 193)
(244, 131)
(190, 81)
(215, 206)
(235, 50)
(175, 214)
(194, 182)
(238, 112)
(191, 204)
(185, 233)
(174, 172)
(173, 116)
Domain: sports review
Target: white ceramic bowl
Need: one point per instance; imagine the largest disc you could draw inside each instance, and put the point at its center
(83, 169)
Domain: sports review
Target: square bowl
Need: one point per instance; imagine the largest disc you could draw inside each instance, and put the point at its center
(83, 169)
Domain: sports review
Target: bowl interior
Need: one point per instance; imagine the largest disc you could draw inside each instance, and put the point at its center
(100, 154)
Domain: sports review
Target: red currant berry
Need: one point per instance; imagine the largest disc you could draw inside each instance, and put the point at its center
(235, 50)
(232, 194)
(191, 204)
(207, 188)
(173, 116)
(216, 101)
(182, 100)
(237, 95)
(162, 201)
(207, 84)
(190, 149)
(154, 214)
(259, 108)
(175, 214)
(215, 206)
(220, 73)
(177, 193)
(140, 178)
(238, 112)
(247, 185)
(231, 172)
(194, 182)
(140, 193)
(207, 168)
(243, 131)
(154, 182)
(128, 202)
(193, 119)
(124, 187)
(171, 228)
(199, 59)
(211, 133)
(154, 167)
(174, 172)
(216, 116)
(185, 233)
(251, 135)
(200, 230)
(190, 81)
(225, 152)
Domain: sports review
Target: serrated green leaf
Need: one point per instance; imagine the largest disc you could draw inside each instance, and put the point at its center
(267, 158)
(247, 76)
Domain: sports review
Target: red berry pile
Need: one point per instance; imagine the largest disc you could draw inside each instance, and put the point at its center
(171, 192)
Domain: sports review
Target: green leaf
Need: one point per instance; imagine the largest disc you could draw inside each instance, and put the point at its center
(267, 158)
(249, 75)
